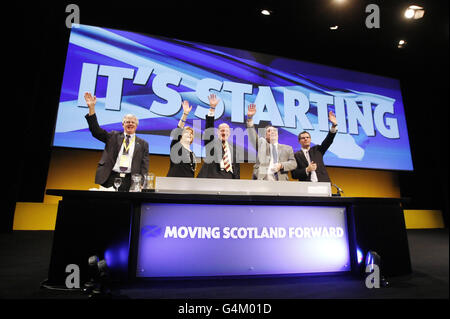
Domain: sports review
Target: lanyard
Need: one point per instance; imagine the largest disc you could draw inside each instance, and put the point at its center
(125, 146)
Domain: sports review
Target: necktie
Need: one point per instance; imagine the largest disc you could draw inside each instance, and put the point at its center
(124, 159)
(226, 160)
(313, 173)
(274, 159)
(274, 154)
(307, 157)
(127, 145)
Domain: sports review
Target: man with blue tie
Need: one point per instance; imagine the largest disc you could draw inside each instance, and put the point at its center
(274, 160)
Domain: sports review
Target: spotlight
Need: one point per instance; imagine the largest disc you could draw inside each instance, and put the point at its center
(98, 285)
(401, 44)
(414, 12)
(373, 260)
(93, 269)
(102, 290)
(334, 27)
(265, 12)
(409, 13)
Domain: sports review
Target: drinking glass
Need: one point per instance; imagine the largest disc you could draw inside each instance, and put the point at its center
(117, 183)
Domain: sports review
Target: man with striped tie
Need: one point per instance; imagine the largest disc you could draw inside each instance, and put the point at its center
(220, 161)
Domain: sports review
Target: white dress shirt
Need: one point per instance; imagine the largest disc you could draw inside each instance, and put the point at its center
(313, 173)
(306, 153)
(130, 154)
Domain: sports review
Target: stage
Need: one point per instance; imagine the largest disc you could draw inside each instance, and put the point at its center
(168, 235)
(25, 256)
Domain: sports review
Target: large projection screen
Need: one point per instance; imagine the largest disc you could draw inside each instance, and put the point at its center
(150, 76)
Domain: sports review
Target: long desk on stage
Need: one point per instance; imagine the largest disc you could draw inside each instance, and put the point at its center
(196, 235)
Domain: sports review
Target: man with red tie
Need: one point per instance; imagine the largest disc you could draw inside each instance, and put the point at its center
(220, 161)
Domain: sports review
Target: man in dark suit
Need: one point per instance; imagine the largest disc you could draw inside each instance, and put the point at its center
(125, 154)
(221, 155)
(310, 165)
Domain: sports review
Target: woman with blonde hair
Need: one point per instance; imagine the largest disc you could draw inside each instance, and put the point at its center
(182, 159)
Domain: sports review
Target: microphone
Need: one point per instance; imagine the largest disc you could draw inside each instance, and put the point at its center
(339, 190)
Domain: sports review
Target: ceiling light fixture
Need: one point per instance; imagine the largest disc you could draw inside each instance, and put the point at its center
(414, 12)
(265, 12)
(401, 44)
(409, 13)
(334, 27)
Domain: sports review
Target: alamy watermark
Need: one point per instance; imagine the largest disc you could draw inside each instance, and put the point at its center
(73, 19)
(373, 276)
(239, 139)
(373, 19)
(73, 279)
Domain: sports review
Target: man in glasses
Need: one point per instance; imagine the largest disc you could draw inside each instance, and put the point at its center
(125, 154)
(310, 166)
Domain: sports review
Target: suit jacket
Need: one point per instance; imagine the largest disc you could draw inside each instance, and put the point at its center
(214, 155)
(113, 141)
(316, 155)
(285, 156)
(182, 161)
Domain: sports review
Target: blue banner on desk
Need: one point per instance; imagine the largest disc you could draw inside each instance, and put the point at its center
(184, 240)
(150, 76)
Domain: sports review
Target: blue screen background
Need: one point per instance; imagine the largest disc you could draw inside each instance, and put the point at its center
(193, 62)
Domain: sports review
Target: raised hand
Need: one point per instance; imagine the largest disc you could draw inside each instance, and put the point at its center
(251, 110)
(332, 118)
(213, 100)
(90, 101)
(186, 107)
